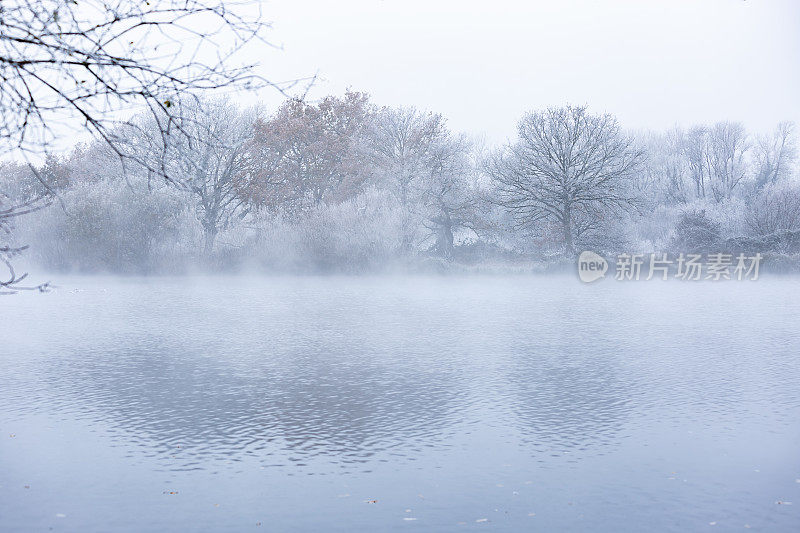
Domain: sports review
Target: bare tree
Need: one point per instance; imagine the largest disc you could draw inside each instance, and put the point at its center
(776, 209)
(207, 156)
(402, 147)
(567, 166)
(696, 149)
(404, 152)
(716, 157)
(448, 200)
(775, 154)
(728, 150)
(80, 63)
(665, 176)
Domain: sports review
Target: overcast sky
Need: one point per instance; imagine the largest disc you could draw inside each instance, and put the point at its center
(653, 63)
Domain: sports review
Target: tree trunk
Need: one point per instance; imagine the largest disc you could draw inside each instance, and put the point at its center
(444, 241)
(209, 235)
(569, 248)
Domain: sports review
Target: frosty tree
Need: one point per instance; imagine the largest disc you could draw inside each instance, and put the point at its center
(408, 146)
(205, 155)
(77, 64)
(567, 167)
(447, 200)
(775, 155)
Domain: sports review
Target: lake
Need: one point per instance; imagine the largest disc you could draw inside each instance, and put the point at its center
(400, 404)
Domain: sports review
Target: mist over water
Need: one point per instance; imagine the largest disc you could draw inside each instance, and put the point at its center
(531, 402)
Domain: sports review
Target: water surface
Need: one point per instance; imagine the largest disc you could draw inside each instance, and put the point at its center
(453, 404)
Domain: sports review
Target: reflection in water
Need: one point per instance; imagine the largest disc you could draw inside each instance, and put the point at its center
(327, 403)
(568, 405)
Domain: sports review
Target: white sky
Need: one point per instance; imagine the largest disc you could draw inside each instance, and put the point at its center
(653, 63)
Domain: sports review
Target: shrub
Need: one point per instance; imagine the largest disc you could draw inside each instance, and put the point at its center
(358, 235)
(107, 226)
(695, 232)
(776, 209)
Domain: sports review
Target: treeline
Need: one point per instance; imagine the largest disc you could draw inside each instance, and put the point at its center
(343, 185)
